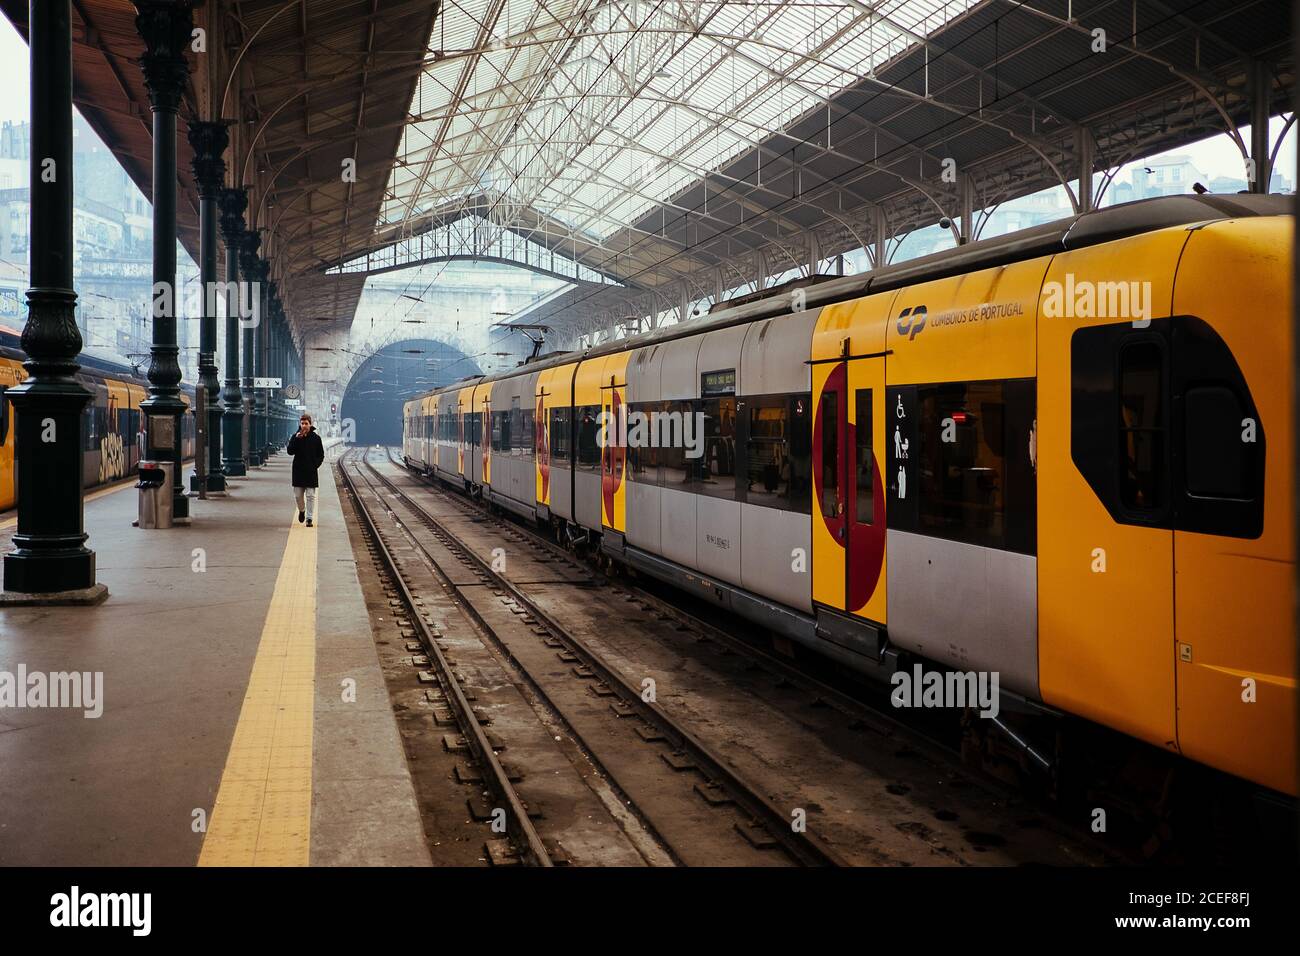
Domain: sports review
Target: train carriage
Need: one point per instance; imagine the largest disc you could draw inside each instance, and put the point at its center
(1063, 456)
(110, 424)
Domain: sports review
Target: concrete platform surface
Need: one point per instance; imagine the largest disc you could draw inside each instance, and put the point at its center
(225, 705)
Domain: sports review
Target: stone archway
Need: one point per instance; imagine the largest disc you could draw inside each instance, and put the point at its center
(392, 376)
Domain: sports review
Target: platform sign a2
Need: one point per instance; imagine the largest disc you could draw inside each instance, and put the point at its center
(266, 382)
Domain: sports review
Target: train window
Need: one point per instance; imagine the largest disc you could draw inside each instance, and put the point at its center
(973, 467)
(1141, 425)
(523, 435)
(588, 420)
(864, 460)
(561, 443)
(830, 463)
(642, 450)
(679, 471)
(513, 440)
(500, 422)
(777, 452)
(715, 469)
(1219, 460)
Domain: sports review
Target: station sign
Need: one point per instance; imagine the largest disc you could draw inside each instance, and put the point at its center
(266, 383)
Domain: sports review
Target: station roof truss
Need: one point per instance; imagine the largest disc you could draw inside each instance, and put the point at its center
(670, 150)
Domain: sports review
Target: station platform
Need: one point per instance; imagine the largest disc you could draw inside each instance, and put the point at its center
(235, 710)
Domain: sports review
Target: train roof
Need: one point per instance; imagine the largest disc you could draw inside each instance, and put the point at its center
(11, 348)
(1073, 232)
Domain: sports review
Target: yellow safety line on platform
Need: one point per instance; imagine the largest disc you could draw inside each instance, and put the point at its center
(262, 816)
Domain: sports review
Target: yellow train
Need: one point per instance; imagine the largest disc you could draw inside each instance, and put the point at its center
(1062, 457)
(110, 424)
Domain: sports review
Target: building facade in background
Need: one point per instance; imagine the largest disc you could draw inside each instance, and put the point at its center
(112, 250)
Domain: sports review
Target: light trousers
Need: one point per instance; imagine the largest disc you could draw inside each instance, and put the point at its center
(310, 495)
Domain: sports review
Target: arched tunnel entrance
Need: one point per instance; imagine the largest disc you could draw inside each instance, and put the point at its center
(395, 374)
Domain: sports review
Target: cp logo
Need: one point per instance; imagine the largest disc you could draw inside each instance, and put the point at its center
(911, 319)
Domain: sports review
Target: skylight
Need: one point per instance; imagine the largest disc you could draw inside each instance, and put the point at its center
(592, 113)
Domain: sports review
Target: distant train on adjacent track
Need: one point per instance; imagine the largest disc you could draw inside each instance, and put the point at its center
(1063, 458)
(110, 424)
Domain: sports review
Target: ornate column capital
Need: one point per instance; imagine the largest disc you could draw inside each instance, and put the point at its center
(209, 139)
(167, 27)
(249, 243)
(233, 203)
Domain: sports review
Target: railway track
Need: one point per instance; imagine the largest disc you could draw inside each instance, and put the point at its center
(522, 833)
(870, 787)
(817, 691)
(680, 797)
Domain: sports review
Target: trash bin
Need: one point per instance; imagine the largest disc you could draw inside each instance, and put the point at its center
(155, 486)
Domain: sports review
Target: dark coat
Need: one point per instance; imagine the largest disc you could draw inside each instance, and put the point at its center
(308, 453)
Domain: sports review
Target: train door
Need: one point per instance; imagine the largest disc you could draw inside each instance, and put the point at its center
(850, 426)
(541, 442)
(1105, 545)
(461, 431)
(1232, 432)
(473, 436)
(484, 436)
(613, 453)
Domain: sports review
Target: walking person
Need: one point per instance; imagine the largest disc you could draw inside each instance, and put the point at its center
(308, 452)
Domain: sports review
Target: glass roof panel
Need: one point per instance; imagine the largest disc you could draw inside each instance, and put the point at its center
(594, 112)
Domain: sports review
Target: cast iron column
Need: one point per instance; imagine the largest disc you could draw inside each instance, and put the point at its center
(268, 395)
(209, 140)
(257, 443)
(264, 370)
(233, 203)
(248, 261)
(50, 558)
(268, 420)
(277, 354)
(277, 371)
(166, 28)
